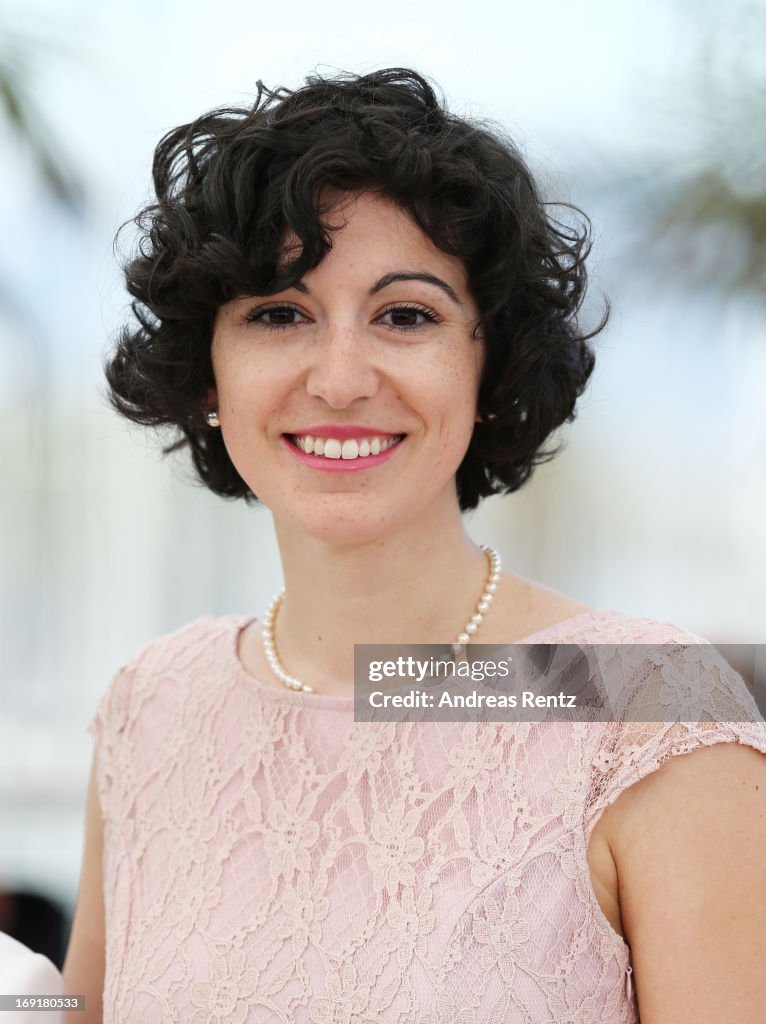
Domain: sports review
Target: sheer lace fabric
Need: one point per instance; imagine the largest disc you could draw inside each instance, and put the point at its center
(268, 860)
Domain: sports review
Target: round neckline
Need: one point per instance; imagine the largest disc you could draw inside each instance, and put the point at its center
(336, 702)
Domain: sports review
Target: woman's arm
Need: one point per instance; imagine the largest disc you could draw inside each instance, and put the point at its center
(84, 964)
(689, 842)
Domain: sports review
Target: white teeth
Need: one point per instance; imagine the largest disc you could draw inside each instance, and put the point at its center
(351, 448)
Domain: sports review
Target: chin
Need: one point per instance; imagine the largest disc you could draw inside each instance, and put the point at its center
(341, 520)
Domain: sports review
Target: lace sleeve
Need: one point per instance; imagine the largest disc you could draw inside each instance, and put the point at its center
(107, 726)
(132, 712)
(691, 681)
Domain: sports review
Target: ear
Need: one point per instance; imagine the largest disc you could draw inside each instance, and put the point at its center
(211, 401)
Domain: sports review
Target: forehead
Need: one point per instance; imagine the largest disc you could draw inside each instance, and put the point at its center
(371, 233)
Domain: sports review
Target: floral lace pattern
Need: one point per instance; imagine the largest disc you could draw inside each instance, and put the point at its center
(266, 859)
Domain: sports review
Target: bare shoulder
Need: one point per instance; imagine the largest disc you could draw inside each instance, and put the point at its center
(687, 844)
(725, 780)
(523, 607)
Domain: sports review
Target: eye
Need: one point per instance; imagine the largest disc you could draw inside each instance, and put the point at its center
(408, 317)
(274, 318)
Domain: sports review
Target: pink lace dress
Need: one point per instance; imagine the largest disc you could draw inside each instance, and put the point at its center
(266, 859)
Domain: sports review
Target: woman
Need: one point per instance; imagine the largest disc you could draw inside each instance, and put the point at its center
(353, 305)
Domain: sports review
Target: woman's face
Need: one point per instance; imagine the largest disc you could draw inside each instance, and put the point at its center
(371, 351)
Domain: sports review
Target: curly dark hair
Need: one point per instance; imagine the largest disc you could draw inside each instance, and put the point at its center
(230, 184)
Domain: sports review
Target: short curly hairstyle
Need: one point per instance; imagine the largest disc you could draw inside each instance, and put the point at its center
(230, 184)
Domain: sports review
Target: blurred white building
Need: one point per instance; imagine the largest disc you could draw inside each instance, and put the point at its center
(654, 508)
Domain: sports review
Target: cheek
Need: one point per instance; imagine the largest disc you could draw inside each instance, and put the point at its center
(240, 451)
(456, 416)
(246, 390)
(242, 404)
(462, 387)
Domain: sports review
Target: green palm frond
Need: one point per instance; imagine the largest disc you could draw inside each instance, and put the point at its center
(709, 203)
(30, 125)
(722, 195)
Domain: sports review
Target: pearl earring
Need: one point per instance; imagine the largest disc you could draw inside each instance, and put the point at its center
(212, 418)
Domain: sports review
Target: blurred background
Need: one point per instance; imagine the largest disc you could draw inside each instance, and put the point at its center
(650, 117)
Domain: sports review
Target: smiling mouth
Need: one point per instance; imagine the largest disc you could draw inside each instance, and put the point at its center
(349, 449)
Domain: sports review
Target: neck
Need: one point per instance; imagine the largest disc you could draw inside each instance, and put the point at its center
(419, 586)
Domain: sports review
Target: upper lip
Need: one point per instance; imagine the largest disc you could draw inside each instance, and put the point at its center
(343, 432)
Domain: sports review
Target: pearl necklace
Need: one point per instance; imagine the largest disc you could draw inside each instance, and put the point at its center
(487, 596)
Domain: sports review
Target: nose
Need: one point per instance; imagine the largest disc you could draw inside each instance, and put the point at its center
(341, 370)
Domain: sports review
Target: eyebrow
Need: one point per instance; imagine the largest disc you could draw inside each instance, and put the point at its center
(401, 275)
